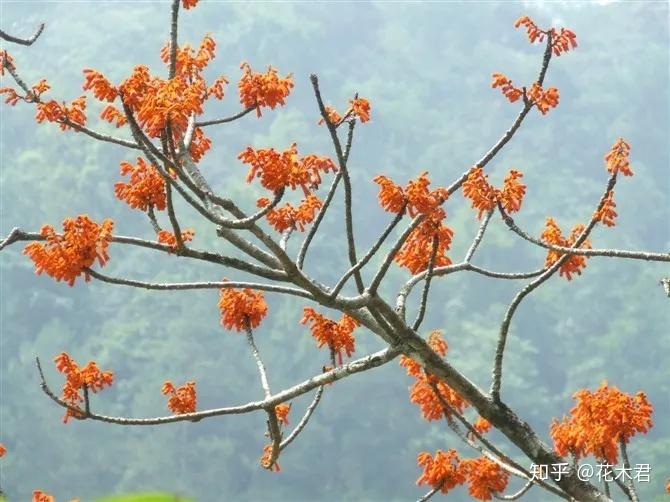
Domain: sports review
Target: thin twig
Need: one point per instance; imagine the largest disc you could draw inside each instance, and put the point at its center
(426, 286)
(626, 463)
(226, 119)
(303, 422)
(478, 238)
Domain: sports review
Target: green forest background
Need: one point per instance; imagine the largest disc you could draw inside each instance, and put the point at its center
(426, 70)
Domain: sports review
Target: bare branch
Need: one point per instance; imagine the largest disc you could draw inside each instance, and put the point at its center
(478, 238)
(227, 119)
(359, 365)
(303, 422)
(368, 256)
(529, 288)
(174, 23)
(22, 41)
(426, 287)
(626, 463)
(342, 161)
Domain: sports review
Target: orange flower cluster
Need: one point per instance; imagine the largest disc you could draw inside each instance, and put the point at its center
(422, 393)
(40, 496)
(485, 477)
(599, 421)
(282, 413)
(360, 107)
(167, 237)
(617, 158)
(78, 379)
(190, 64)
(291, 217)
(182, 399)
(511, 92)
(241, 309)
(145, 189)
(278, 170)
(52, 111)
(484, 197)
(442, 470)
(445, 471)
(542, 99)
(12, 96)
(188, 4)
(552, 235)
(111, 115)
(265, 459)
(64, 257)
(561, 41)
(333, 116)
(3, 450)
(416, 252)
(101, 87)
(199, 144)
(481, 425)
(606, 213)
(263, 89)
(6, 61)
(338, 336)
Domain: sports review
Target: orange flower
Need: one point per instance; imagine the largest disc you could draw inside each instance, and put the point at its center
(51, 111)
(77, 379)
(12, 96)
(278, 170)
(190, 64)
(422, 394)
(542, 99)
(288, 217)
(182, 399)
(199, 144)
(599, 421)
(241, 308)
(420, 200)
(606, 213)
(64, 257)
(511, 93)
(156, 101)
(38, 89)
(481, 425)
(338, 336)
(441, 471)
(476, 188)
(617, 158)
(40, 496)
(111, 114)
(391, 196)
(485, 477)
(333, 116)
(512, 192)
(167, 237)
(3, 450)
(667, 487)
(417, 250)
(188, 4)
(263, 89)
(6, 60)
(101, 87)
(360, 107)
(145, 189)
(552, 235)
(562, 41)
(265, 459)
(216, 89)
(534, 33)
(282, 413)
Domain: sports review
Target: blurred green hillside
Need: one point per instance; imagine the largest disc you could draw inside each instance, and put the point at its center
(425, 67)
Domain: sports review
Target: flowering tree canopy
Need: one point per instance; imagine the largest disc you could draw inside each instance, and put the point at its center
(161, 116)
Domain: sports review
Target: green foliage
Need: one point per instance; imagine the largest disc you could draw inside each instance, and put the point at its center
(145, 497)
